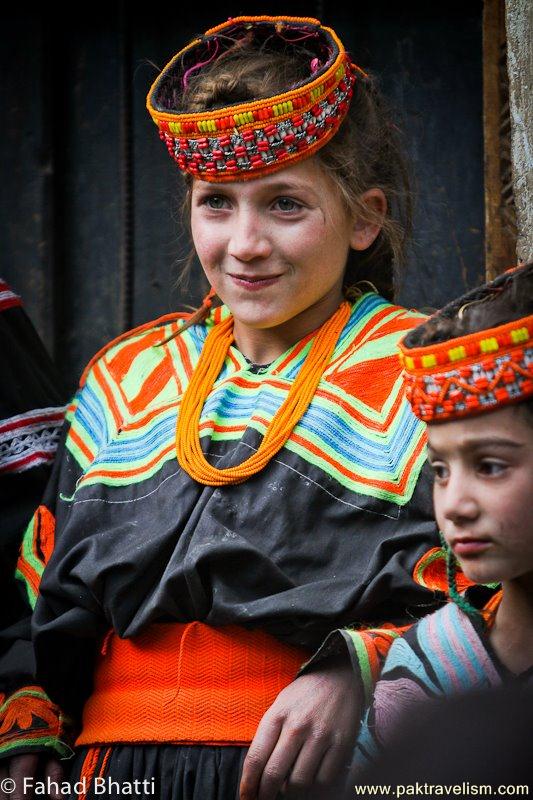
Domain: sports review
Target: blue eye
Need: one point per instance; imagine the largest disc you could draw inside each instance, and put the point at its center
(287, 204)
(215, 201)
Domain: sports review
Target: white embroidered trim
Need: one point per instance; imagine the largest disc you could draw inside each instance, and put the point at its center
(30, 439)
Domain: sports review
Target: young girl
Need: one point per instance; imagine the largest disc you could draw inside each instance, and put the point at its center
(237, 492)
(470, 376)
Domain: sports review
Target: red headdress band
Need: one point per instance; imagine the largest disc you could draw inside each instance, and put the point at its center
(471, 374)
(254, 138)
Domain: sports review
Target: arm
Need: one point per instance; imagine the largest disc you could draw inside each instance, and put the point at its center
(31, 418)
(327, 700)
(306, 738)
(309, 733)
(31, 721)
(342, 676)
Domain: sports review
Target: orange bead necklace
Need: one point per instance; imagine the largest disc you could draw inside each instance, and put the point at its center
(212, 357)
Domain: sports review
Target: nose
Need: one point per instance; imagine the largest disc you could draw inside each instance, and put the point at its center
(456, 502)
(249, 236)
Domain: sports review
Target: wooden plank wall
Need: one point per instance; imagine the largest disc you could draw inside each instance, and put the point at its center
(90, 227)
(519, 35)
(500, 216)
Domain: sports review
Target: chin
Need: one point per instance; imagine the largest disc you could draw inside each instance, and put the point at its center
(483, 573)
(260, 323)
(258, 316)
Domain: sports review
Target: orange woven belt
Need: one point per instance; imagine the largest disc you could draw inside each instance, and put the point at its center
(186, 684)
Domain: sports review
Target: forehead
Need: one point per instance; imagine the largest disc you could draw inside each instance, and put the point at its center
(504, 424)
(307, 175)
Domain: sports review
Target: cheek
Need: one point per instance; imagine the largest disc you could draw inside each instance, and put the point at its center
(517, 537)
(511, 504)
(322, 251)
(206, 243)
(516, 521)
(511, 513)
(438, 503)
(326, 237)
(298, 241)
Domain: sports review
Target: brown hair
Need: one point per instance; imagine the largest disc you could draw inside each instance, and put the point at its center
(365, 153)
(505, 299)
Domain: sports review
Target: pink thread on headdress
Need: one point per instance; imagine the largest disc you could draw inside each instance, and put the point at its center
(296, 38)
(315, 63)
(185, 80)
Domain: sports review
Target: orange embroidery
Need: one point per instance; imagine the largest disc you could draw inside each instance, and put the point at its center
(430, 571)
(23, 707)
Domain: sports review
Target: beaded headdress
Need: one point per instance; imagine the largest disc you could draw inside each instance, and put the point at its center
(254, 138)
(473, 373)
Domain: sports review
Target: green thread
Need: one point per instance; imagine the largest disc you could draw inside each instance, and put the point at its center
(56, 744)
(364, 664)
(451, 569)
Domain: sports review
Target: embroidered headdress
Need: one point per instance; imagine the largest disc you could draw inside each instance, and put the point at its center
(260, 136)
(473, 373)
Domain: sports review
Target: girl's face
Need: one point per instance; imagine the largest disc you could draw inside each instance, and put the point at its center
(483, 492)
(276, 247)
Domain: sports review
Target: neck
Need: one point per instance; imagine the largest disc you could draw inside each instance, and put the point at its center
(264, 345)
(512, 633)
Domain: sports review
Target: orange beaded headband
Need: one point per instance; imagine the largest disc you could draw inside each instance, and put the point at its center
(475, 373)
(254, 138)
(469, 374)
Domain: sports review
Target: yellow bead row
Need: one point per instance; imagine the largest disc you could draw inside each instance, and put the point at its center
(489, 344)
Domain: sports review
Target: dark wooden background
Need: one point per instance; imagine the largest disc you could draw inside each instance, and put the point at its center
(91, 235)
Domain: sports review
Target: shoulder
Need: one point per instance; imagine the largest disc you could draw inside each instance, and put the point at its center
(369, 344)
(429, 637)
(379, 319)
(376, 326)
(453, 647)
(442, 627)
(136, 370)
(148, 342)
(141, 370)
(136, 340)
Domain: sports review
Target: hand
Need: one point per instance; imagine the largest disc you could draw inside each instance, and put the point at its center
(307, 736)
(27, 766)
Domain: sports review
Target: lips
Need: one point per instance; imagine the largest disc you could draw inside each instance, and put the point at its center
(252, 278)
(469, 545)
(253, 283)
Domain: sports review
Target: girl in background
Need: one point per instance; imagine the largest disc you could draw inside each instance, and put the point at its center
(469, 373)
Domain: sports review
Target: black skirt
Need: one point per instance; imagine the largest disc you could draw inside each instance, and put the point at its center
(156, 772)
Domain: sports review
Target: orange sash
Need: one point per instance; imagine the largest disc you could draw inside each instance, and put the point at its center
(186, 684)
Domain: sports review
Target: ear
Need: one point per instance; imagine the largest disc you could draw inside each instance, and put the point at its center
(365, 232)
